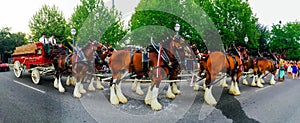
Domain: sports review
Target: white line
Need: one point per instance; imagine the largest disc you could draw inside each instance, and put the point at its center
(262, 89)
(30, 87)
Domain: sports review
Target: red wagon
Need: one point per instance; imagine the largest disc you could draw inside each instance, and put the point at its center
(33, 58)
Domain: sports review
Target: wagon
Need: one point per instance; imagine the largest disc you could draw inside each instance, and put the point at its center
(33, 58)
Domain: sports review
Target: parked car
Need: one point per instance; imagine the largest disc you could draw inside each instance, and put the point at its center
(4, 67)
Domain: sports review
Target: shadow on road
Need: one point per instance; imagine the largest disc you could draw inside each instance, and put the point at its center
(231, 108)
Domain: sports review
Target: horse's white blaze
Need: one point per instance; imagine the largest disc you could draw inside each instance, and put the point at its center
(236, 89)
(68, 83)
(231, 89)
(113, 97)
(60, 87)
(120, 95)
(175, 89)
(134, 85)
(148, 96)
(139, 91)
(81, 89)
(223, 83)
(155, 105)
(98, 84)
(208, 97)
(91, 85)
(169, 93)
(76, 93)
(55, 83)
(259, 83)
(272, 81)
(253, 81)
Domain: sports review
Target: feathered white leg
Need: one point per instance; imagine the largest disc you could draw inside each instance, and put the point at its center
(208, 97)
(148, 97)
(113, 97)
(236, 89)
(196, 87)
(223, 83)
(76, 93)
(231, 89)
(253, 81)
(139, 91)
(134, 84)
(81, 89)
(272, 81)
(245, 82)
(175, 89)
(204, 86)
(120, 95)
(68, 83)
(259, 83)
(55, 83)
(91, 85)
(169, 93)
(73, 82)
(60, 87)
(98, 84)
(155, 105)
(262, 81)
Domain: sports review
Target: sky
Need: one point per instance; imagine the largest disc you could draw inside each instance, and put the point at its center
(17, 13)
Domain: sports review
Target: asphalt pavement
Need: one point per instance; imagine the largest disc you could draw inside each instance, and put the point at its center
(22, 101)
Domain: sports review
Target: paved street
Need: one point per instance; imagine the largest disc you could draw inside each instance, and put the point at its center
(22, 101)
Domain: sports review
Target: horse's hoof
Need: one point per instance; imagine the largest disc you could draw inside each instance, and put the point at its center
(253, 85)
(225, 85)
(100, 87)
(155, 105)
(245, 82)
(123, 100)
(260, 85)
(196, 88)
(91, 89)
(77, 95)
(139, 92)
(170, 95)
(61, 90)
(114, 101)
(208, 97)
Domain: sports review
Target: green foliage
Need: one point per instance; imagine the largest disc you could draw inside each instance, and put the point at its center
(285, 39)
(94, 21)
(234, 20)
(9, 41)
(48, 20)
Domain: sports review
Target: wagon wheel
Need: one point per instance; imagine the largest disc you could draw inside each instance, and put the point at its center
(17, 69)
(35, 76)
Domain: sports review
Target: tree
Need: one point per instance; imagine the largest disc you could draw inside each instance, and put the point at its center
(156, 19)
(285, 39)
(9, 41)
(48, 20)
(234, 20)
(94, 21)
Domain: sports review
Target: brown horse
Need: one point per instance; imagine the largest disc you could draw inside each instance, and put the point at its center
(121, 62)
(217, 62)
(101, 65)
(70, 63)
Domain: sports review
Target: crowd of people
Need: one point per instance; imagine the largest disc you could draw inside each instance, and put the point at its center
(292, 69)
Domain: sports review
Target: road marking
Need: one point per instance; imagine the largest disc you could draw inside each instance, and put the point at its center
(262, 89)
(30, 87)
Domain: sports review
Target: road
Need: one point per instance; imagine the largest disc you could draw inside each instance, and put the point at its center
(22, 101)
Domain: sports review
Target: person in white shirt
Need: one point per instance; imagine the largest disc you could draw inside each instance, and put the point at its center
(43, 39)
(52, 40)
(45, 42)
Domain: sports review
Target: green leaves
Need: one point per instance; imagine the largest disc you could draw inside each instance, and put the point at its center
(285, 39)
(94, 21)
(48, 20)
